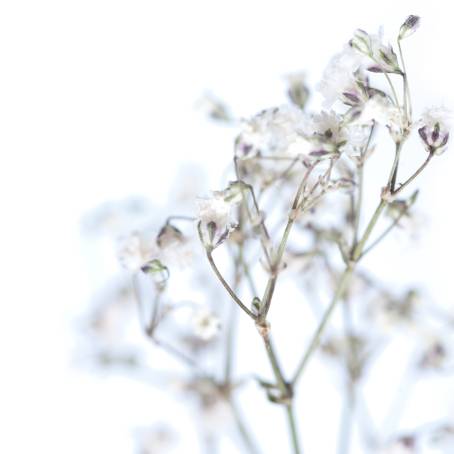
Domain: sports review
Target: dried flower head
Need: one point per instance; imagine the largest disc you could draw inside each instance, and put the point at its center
(216, 215)
(382, 56)
(434, 129)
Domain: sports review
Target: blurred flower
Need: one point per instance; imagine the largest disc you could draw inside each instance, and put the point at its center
(206, 325)
(215, 108)
(297, 90)
(157, 439)
(434, 355)
(271, 131)
(135, 250)
(403, 445)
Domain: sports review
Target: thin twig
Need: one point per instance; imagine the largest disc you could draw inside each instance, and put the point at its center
(227, 286)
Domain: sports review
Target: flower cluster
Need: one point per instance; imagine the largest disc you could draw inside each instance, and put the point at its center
(294, 218)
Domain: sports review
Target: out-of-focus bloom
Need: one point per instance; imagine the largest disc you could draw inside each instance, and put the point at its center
(410, 25)
(389, 311)
(406, 444)
(155, 440)
(216, 215)
(383, 57)
(351, 349)
(214, 410)
(153, 254)
(271, 131)
(434, 129)
(215, 108)
(297, 90)
(443, 438)
(135, 250)
(434, 356)
(206, 325)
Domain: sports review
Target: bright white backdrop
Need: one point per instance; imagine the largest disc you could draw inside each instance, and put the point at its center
(97, 102)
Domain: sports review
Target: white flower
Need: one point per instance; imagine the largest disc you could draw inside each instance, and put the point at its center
(341, 77)
(434, 129)
(143, 250)
(382, 55)
(175, 249)
(270, 131)
(216, 210)
(326, 131)
(216, 215)
(205, 324)
(135, 250)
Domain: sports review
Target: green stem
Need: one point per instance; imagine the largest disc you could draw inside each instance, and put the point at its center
(407, 97)
(277, 371)
(313, 344)
(360, 246)
(227, 286)
(393, 174)
(294, 438)
(286, 393)
(271, 284)
(384, 234)
(420, 169)
(248, 441)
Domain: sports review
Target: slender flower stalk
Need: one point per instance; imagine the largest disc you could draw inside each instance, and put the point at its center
(297, 204)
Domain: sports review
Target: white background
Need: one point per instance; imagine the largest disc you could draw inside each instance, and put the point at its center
(97, 102)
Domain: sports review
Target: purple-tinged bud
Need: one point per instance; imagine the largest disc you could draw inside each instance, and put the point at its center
(361, 42)
(410, 25)
(434, 131)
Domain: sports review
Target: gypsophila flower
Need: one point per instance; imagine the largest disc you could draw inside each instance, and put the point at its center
(342, 79)
(135, 250)
(271, 131)
(216, 216)
(434, 129)
(327, 132)
(381, 110)
(410, 25)
(205, 324)
(383, 57)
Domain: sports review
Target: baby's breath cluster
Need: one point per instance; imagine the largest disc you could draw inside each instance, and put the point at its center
(294, 211)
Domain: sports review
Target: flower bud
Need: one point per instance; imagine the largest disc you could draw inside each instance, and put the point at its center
(297, 90)
(410, 25)
(434, 131)
(361, 42)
